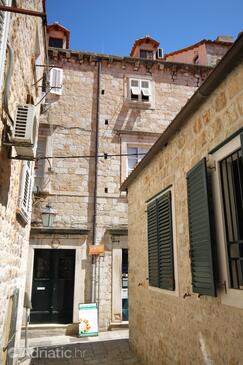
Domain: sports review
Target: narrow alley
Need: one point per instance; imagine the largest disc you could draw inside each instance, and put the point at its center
(109, 348)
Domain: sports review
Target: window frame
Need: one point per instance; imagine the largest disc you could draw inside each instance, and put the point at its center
(139, 147)
(146, 53)
(229, 296)
(174, 292)
(24, 210)
(140, 96)
(55, 87)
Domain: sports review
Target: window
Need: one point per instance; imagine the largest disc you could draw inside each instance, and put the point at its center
(25, 191)
(160, 243)
(227, 182)
(56, 78)
(39, 182)
(56, 42)
(215, 205)
(135, 154)
(4, 27)
(38, 61)
(146, 54)
(139, 90)
(231, 176)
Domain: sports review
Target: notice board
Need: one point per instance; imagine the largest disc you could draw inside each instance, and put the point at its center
(88, 319)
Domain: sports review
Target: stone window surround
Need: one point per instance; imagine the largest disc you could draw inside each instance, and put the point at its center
(133, 141)
(138, 146)
(159, 290)
(138, 103)
(228, 296)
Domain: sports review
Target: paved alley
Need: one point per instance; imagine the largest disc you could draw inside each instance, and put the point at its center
(109, 348)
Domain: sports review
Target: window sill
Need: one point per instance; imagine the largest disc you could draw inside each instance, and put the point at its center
(22, 218)
(139, 104)
(233, 298)
(174, 293)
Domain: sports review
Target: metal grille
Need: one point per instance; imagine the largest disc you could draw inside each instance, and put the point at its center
(231, 169)
(21, 122)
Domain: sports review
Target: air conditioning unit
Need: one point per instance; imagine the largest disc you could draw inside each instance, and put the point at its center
(25, 131)
(160, 53)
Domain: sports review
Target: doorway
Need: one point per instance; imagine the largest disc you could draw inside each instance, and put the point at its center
(125, 284)
(53, 286)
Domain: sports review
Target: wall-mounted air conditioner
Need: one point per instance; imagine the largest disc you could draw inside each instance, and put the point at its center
(25, 131)
(160, 53)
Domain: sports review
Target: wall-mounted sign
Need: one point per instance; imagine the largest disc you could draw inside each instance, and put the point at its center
(88, 319)
(124, 293)
(96, 249)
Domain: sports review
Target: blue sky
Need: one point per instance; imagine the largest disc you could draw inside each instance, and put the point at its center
(111, 26)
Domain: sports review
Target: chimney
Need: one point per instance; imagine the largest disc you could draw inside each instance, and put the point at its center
(225, 38)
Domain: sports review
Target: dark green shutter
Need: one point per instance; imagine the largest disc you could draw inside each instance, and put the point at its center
(160, 243)
(201, 252)
(153, 258)
(165, 237)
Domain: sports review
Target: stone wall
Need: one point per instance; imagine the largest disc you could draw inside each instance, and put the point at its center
(71, 124)
(173, 329)
(13, 232)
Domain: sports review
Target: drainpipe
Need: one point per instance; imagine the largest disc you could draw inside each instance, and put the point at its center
(94, 231)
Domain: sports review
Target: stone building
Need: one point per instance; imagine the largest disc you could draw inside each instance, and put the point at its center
(185, 229)
(22, 48)
(99, 110)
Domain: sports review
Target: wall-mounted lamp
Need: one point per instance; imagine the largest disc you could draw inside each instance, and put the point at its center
(48, 216)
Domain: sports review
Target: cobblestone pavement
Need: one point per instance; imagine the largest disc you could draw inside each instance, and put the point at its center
(50, 347)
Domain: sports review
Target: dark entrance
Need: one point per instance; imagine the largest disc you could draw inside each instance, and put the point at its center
(53, 286)
(125, 284)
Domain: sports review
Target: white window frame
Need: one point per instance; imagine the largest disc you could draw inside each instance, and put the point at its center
(139, 90)
(174, 292)
(139, 147)
(3, 41)
(56, 80)
(25, 192)
(229, 296)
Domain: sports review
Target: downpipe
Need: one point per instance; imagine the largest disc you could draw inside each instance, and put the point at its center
(94, 231)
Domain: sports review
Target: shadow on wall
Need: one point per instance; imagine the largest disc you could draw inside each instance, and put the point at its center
(5, 173)
(127, 118)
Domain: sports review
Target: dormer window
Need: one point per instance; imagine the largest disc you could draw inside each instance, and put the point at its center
(146, 54)
(139, 90)
(56, 42)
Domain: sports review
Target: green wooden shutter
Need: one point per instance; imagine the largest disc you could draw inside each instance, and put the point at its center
(165, 237)
(201, 250)
(153, 257)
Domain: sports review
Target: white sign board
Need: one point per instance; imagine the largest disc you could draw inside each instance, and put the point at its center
(88, 319)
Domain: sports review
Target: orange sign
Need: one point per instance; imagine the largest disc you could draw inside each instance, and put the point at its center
(96, 249)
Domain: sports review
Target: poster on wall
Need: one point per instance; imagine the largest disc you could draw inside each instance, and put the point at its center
(88, 319)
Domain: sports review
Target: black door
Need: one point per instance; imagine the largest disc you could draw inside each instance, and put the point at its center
(53, 286)
(124, 284)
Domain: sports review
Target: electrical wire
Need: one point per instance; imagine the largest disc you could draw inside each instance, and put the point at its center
(105, 156)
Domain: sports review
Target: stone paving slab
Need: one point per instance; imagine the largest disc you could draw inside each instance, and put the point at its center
(114, 352)
(106, 349)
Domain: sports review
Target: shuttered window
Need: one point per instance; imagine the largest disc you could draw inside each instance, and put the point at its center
(56, 79)
(200, 231)
(160, 243)
(140, 90)
(26, 190)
